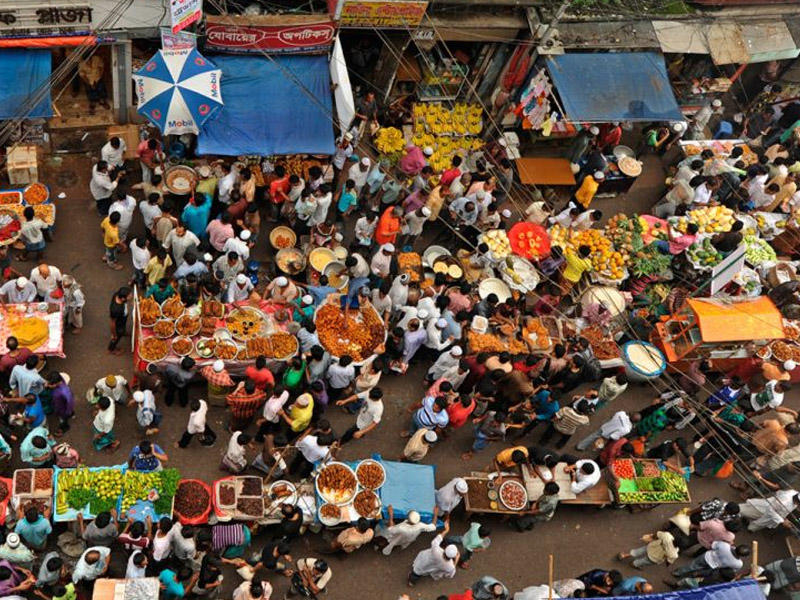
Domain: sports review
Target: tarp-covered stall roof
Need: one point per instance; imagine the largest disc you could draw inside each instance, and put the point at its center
(25, 74)
(623, 86)
(272, 106)
(756, 319)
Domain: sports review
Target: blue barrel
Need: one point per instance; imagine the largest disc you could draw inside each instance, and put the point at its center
(643, 361)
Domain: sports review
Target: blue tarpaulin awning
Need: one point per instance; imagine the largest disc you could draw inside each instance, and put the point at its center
(25, 74)
(604, 87)
(271, 106)
(745, 589)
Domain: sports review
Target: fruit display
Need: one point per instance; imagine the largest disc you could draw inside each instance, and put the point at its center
(390, 142)
(529, 240)
(623, 468)
(101, 489)
(498, 242)
(758, 251)
(513, 495)
(336, 483)
(448, 132)
(703, 254)
(710, 219)
(649, 261)
(626, 232)
(559, 236)
(357, 334)
(643, 482)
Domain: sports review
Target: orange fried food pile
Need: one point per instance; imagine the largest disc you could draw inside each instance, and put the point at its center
(345, 335)
(149, 311)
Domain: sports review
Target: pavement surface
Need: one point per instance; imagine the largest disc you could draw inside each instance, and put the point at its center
(579, 538)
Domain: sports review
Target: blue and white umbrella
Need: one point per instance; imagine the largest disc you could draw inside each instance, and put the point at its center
(178, 90)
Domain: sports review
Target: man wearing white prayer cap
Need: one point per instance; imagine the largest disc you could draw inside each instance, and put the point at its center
(427, 151)
(446, 363)
(240, 244)
(281, 290)
(18, 291)
(239, 289)
(435, 562)
(402, 534)
(451, 494)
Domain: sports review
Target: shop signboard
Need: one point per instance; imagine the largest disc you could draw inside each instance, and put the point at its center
(254, 35)
(184, 12)
(37, 18)
(183, 40)
(383, 14)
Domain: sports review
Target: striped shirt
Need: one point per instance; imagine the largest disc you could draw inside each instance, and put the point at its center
(567, 420)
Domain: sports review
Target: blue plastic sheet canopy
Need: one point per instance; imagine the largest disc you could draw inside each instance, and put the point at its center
(624, 86)
(24, 74)
(272, 106)
(408, 487)
(746, 589)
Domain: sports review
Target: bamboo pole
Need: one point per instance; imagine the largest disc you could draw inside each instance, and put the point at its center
(550, 577)
(754, 560)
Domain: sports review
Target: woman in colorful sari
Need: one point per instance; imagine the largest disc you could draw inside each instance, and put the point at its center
(103, 426)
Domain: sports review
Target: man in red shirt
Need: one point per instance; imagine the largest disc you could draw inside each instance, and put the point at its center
(16, 356)
(244, 403)
(260, 375)
(150, 155)
(610, 136)
(278, 191)
(450, 175)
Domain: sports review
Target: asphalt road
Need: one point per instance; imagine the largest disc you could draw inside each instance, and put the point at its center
(580, 538)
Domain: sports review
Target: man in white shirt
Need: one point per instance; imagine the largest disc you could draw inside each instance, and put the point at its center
(140, 256)
(585, 474)
(226, 183)
(464, 211)
(114, 153)
(102, 186)
(369, 415)
(150, 210)
(114, 387)
(616, 427)
(17, 291)
(241, 245)
(403, 534)
(312, 447)
(343, 151)
(239, 289)
(358, 173)
(125, 205)
(435, 562)
(381, 263)
(180, 241)
(47, 280)
(771, 397)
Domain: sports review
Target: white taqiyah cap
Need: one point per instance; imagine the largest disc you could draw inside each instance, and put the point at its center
(366, 161)
(22, 281)
(422, 313)
(413, 517)
(12, 539)
(218, 366)
(480, 194)
(716, 103)
(204, 171)
(789, 365)
(506, 213)
(245, 234)
(594, 130)
(461, 486)
(138, 396)
(430, 436)
(599, 175)
(457, 351)
(307, 299)
(303, 400)
(389, 247)
(348, 136)
(281, 282)
(65, 377)
(241, 279)
(426, 212)
(338, 236)
(427, 151)
(207, 257)
(679, 126)
(502, 142)
(441, 323)
(451, 551)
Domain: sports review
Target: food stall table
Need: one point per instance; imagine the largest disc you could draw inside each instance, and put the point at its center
(12, 315)
(119, 589)
(545, 171)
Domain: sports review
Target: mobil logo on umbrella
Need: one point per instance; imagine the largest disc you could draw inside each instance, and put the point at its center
(178, 90)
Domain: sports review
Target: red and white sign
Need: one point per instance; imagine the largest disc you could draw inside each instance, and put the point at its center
(273, 38)
(184, 12)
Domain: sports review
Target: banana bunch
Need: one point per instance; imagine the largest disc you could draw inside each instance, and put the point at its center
(389, 140)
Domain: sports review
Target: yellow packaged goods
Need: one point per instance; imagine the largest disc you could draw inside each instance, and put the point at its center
(31, 332)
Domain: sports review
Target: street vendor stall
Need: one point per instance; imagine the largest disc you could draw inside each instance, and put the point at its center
(38, 326)
(646, 481)
(720, 148)
(36, 195)
(32, 487)
(133, 494)
(703, 329)
(236, 333)
(447, 131)
(347, 491)
(240, 498)
(355, 332)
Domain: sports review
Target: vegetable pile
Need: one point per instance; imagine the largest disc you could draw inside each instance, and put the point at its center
(758, 251)
(703, 254)
(649, 261)
(650, 484)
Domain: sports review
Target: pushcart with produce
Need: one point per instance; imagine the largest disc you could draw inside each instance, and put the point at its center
(645, 481)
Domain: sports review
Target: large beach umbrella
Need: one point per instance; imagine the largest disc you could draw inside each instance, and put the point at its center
(178, 90)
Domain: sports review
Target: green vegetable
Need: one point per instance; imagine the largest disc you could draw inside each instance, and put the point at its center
(78, 498)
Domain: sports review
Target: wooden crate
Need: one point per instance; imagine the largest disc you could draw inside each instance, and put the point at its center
(129, 134)
(22, 165)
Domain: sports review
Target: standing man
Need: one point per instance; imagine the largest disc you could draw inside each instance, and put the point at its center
(150, 156)
(102, 186)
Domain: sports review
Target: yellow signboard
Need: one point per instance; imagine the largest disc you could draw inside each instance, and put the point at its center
(386, 14)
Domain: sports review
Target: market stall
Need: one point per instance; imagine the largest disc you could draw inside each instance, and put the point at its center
(32, 487)
(703, 329)
(133, 494)
(357, 333)
(236, 333)
(348, 491)
(38, 326)
(646, 481)
(13, 203)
